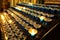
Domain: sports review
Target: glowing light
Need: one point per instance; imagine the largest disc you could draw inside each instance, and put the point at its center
(47, 19)
(42, 18)
(32, 31)
(2, 17)
(4, 21)
(4, 13)
(30, 3)
(24, 8)
(12, 14)
(10, 21)
(18, 8)
(6, 37)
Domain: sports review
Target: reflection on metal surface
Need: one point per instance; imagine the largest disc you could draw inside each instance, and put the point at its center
(42, 18)
(49, 31)
(2, 17)
(30, 4)
(18, 8)
(47, 19)
(10, 21)
(6, 38)
(32, 31)
(4, 13)
(19, 22)
(12, 14)
(24, 7)
(4, 21)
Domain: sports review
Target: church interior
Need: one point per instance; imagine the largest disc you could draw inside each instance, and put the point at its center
(30, 19)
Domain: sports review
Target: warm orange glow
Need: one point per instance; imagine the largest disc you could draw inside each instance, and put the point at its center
(24, 8)
(12, 14)
(42, 18)
(30, 3)
(6, 38)
(18, 8)
(32, 31)
(47, 20)
(4, 13)
(10, 21)
(2, 17)
(4, 21)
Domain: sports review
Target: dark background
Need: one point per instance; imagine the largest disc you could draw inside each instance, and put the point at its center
(54, 34)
